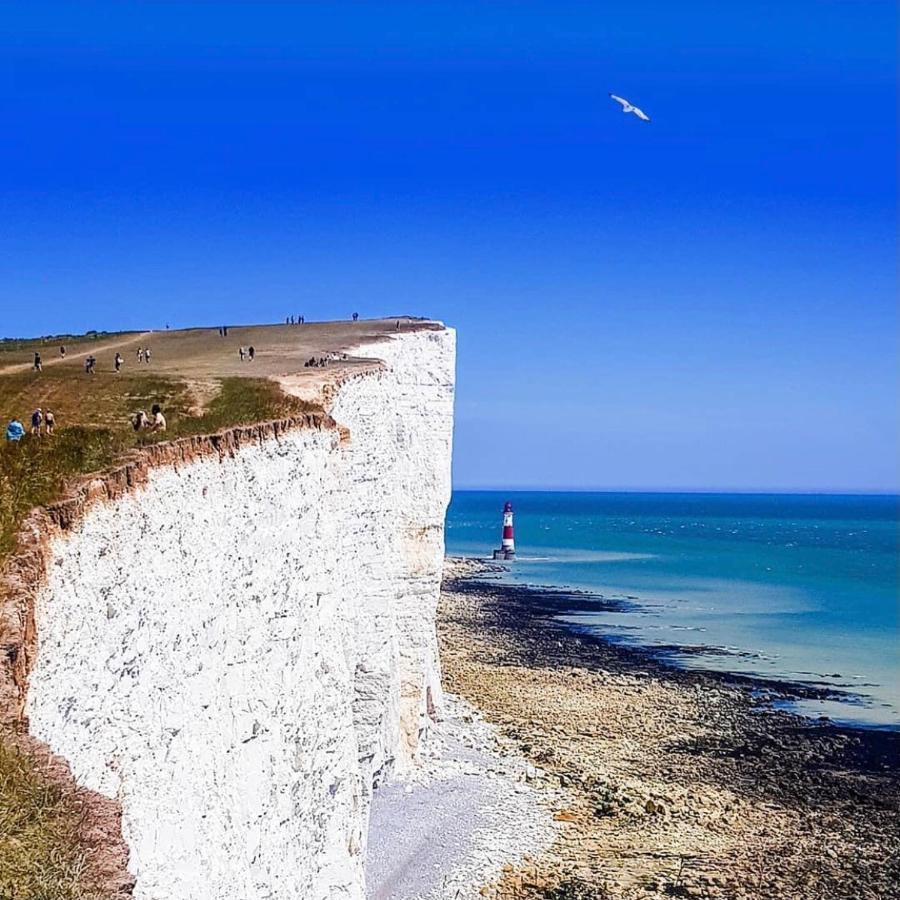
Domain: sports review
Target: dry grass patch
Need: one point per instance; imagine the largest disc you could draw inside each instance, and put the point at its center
(20, 350)
(41, 857)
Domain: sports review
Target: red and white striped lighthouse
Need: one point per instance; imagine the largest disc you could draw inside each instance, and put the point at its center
(507, 542)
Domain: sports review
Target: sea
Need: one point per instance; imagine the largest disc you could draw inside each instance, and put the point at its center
(792, 587)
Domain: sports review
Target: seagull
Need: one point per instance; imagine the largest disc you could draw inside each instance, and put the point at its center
(628, 108)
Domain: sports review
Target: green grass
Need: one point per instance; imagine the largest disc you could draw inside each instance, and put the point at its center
(40, 857)
(240, 401)
(34, 471)
(40, 853)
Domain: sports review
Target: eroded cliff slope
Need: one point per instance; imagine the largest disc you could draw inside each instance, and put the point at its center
(237, 648)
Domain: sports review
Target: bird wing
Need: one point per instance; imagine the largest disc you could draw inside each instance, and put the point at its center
(621, 100)
(641, 114)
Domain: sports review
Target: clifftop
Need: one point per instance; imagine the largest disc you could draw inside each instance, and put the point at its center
(194, 357)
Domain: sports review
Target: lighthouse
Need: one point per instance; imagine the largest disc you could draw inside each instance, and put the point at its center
(507, 543)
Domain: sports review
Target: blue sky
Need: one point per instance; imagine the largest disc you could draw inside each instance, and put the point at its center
(707, 301)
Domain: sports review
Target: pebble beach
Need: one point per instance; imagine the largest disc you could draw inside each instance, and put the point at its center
(665, 781)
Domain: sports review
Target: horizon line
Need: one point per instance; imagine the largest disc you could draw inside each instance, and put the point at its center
(833, 492)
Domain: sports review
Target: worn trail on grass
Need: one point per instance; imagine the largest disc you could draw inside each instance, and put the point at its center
(55, 360)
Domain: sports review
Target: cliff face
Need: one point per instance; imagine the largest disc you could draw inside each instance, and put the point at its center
(237, 649)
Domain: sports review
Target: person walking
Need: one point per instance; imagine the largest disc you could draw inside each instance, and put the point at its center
(62, 351)
(140, 354)
(118, 362)
(251, 353)
(15, 430)
(242, 352)
(38, 365)
(355, 316)
(49, 422)
(158, 423)
(147, 355)
(37, 420)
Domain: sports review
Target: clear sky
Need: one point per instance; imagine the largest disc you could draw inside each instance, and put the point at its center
(705, 301)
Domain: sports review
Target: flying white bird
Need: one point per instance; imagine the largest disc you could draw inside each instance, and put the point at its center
(629, 108)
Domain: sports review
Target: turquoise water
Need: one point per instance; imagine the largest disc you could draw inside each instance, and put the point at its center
(788, 586)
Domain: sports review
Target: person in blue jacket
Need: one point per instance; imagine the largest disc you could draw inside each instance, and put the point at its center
(15, 431)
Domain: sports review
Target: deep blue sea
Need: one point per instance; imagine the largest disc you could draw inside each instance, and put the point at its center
(791, 586)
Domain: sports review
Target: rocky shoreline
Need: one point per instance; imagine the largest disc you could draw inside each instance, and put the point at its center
(667, 781)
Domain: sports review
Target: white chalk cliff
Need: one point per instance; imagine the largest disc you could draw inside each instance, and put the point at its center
(238, 648)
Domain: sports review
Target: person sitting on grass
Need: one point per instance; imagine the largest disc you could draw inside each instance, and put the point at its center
(159, 420)
(15, 431)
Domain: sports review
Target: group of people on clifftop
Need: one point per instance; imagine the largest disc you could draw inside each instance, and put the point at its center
(321, 361)
(300, 320)
(156, 421)
(43, 422)
(144, 355)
